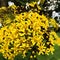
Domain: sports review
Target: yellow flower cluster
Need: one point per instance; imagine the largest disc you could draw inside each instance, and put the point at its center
(29, 31)
(53, 23)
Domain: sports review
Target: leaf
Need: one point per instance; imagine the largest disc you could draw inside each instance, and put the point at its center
(1, 57)
(57, 52)
(58, 33)
(18, 57)
(42, 57)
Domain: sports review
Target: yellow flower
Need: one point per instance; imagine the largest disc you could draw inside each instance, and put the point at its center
(31, 56)
(32, 4)
(27, 32)
(58, 41)
(41, 49)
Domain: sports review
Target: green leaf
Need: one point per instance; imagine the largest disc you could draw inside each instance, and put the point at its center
(18, 57)
(1, 57)
(42, 57)
(57, 52)
(58, 33)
